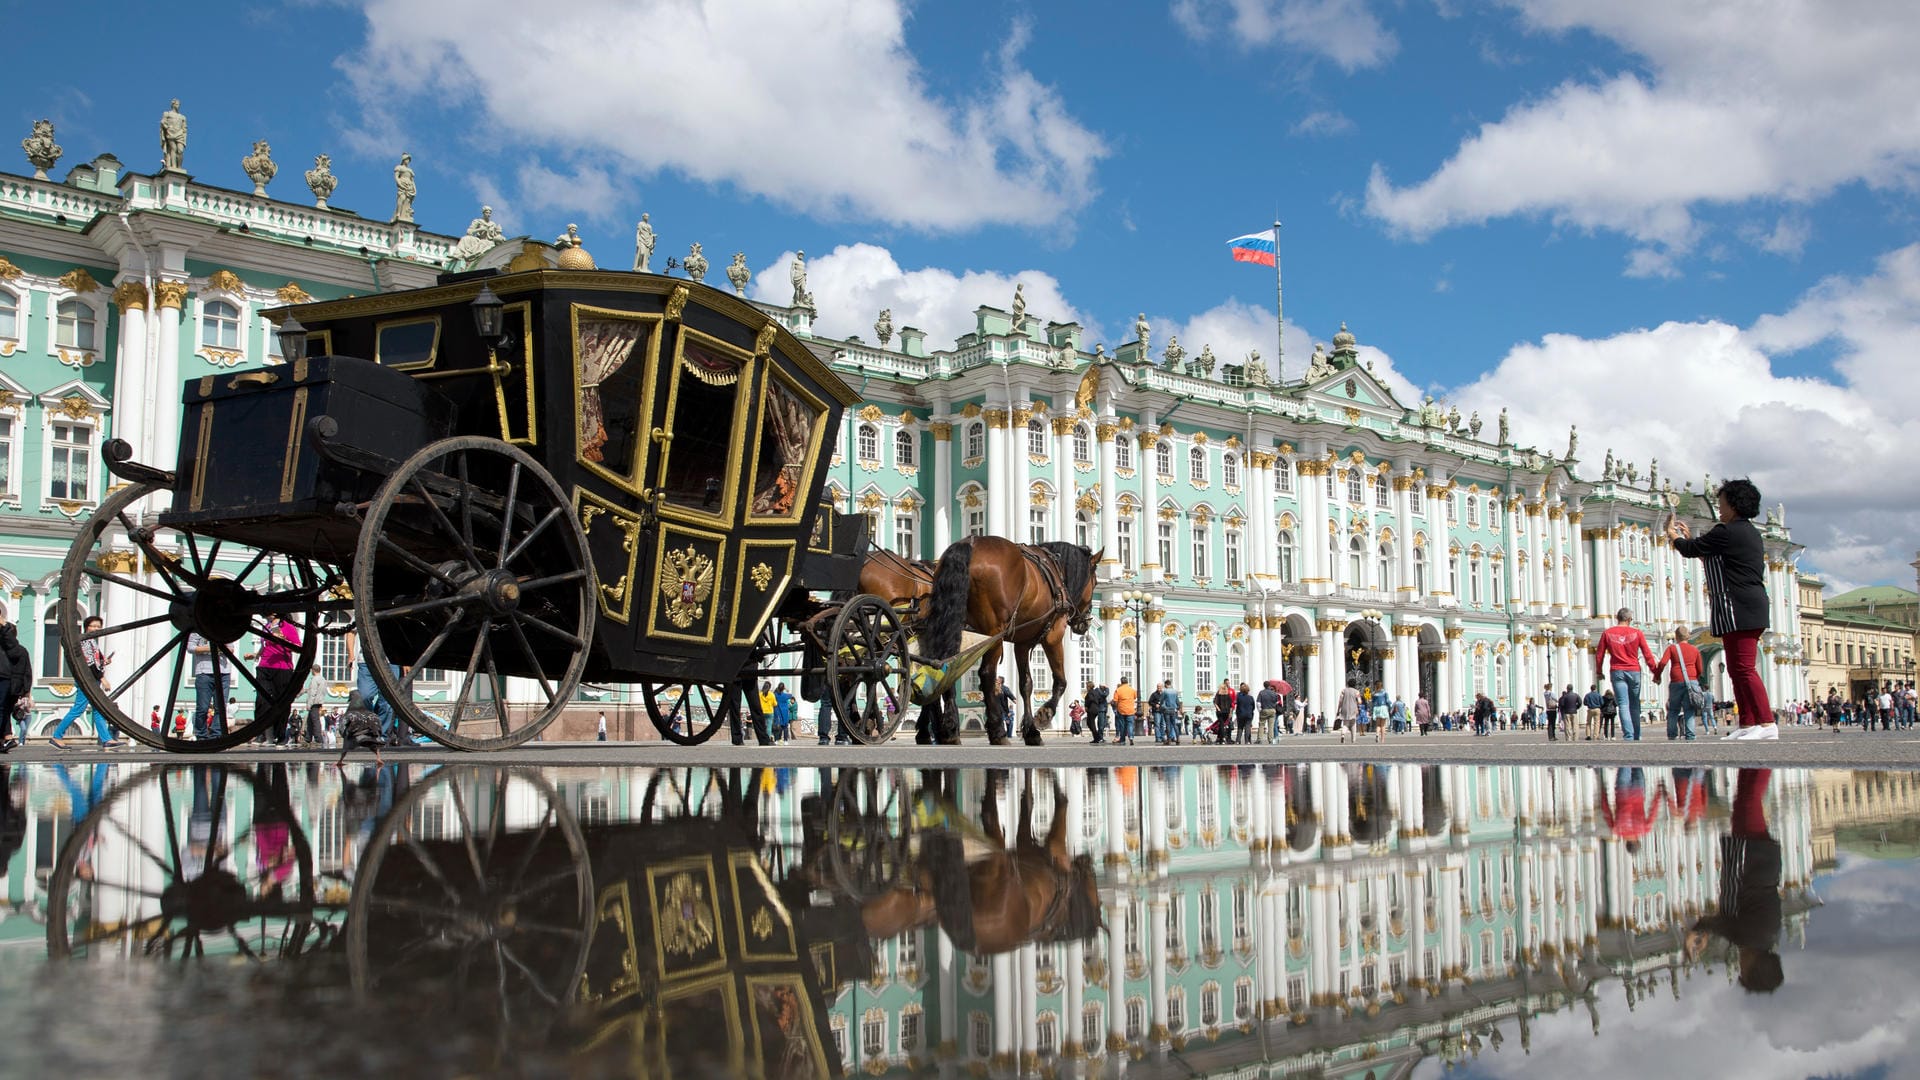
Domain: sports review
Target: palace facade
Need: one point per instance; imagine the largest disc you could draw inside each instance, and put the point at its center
(1314, 528)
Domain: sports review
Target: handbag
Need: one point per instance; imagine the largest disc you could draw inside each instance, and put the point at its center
(1697, 697)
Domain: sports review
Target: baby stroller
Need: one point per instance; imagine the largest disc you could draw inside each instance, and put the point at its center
(1220, 731)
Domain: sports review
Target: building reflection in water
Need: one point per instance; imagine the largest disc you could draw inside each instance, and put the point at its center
(1313, 918)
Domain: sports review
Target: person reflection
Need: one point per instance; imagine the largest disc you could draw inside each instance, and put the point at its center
(209, 802)
(1749, 913)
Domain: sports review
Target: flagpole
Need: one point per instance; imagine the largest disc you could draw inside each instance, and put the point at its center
(1279, 314)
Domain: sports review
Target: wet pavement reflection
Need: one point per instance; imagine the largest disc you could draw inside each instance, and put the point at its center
(1325, 919)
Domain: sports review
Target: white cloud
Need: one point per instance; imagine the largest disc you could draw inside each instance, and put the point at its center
(1344, 31)
(1706, 397)
(587, 192)
(1323, 122)
(851, 283)
(711, 89)
(1787, 100)
(1788, 236)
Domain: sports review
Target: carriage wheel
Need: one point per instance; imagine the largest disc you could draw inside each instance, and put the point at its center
(867, 668)
(471, 557)
(161, 870)
(478, 880)
(690, 713)
(870, 832)
(156, 586)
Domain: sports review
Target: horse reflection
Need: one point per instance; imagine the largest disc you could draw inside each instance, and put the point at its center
(988, 898)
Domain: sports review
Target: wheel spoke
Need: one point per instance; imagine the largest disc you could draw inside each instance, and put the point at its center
(240, 667)
(532, 979)
(520, 636)
(420, 607)
(420, 664)
(540, 885)
(506, 518)
(498, 686)
(466, 684)
(466, 506)
(446, 523)
(542, 625)
(98, 574)
(412, 907)
(131, 680)
(526, 856)
(251, 564)
(532, 534)
(121, 628)
(466, 834)
(427, 862)
(246, 949)
(415, 562)
(530, 584)
(173, 830)
(170, 871)
(173, 685)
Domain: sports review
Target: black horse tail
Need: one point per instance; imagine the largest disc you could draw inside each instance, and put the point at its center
(947, 608)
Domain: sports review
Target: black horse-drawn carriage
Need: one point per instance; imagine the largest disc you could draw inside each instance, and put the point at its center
(489, 491)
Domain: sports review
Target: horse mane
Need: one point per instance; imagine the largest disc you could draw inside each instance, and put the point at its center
(1076, 569)
(1081, 919)
(947, 607)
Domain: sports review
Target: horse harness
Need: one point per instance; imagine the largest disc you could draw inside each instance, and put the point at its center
(1050, 572)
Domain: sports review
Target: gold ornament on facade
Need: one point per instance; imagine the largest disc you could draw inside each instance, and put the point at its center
(686, 580)
(76, 407)
(677, 301)
(226, 281)
(78, 280)
(1104, 432)
(169, 294)
(996, 418)
(292, 293)
(872, 414)
(8, 271)
(686, 917)
(762, 574)
(1063, 425)
(130, 296)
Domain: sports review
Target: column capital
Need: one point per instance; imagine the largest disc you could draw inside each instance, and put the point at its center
(130, 295)
(170, 294)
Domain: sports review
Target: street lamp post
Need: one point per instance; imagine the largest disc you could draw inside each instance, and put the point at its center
(1138, 602)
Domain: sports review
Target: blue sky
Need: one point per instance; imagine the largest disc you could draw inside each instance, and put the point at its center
(1681, 224)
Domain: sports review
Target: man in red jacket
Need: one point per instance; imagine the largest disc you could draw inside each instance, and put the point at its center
(1623, 645)
(1682, 660)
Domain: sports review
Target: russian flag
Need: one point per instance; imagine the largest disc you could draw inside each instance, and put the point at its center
(1254, 248)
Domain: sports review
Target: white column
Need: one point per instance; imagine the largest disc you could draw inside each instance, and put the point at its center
(1538, 598)
(1148, 638)
(941, 502)
(165, 413)
(949, 975)
(1318, 569)
(1017, 470)
(999, 500)
(1029, 1009)
(1065, 490)
(1439, 561)
(1109, 502)
(1582, 575)
(1111, 614)
(1450, 689)
(1404, 591)
(1557, 573)
(130, 369)
(1157, 954)
(1122, 910)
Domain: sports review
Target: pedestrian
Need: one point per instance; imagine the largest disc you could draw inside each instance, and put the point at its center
(1748, 915)
(823, 723)
(1346, 711)
(1223, 711)
(1550, 701)
(785, 711)
(1126, 699)
(1171, 706)
(1593, 702)
(1076, 718)
(1157, 717)
(1244, 708)
(1569, 711)
(315, 719)
(1734, 557)
(1097, 710)
(96, 662)
(1003, 694)
(1682, 660)
(1622, 645)
(1482, 714)
(278, 640)
(1268, 702)
(16, 681)
(600, 734)
(1381, 714)
(180, 724)
(1422, 713)
(370, 696)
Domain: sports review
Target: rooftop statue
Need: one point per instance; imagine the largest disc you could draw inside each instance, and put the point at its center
(1176, 353)
(1143, 333)
(1318, 367)
(1573, 442)
(321, 181)
(643, 241)
(1606, 470)
(173, 136)
(403, 190)
(883, 326)
(797, 273)
(1653, 473)
(259, 167)
(1256, 369)
(481, 235)
(1473, 423)
(696, 263)
(1019, 307)
(1504, 433)
(42, 152)
(1203, 364)
(1430, 414)
(739, 275)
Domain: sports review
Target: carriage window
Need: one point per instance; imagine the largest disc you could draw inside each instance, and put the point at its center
(786, 433)
(408, 344)
(694, 472)
(609, 362)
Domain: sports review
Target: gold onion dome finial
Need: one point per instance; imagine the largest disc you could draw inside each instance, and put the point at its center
(573, 256)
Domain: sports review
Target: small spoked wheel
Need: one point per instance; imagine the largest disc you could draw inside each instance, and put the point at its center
(187, 863)
(163, 595)
(870, 831)
(478, 883)
(690, 713)
(473, 594)
(867, 669)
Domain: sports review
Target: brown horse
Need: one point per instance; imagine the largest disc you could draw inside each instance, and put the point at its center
(996, 902)
(907, 584)
(1032, 593)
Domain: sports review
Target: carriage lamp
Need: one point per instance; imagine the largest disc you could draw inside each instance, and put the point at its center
(293, 340)
(488, 315)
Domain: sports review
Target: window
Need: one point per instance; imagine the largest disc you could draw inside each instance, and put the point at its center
(1082, 445)
(982, 1032)
(1210, 1005)
(867, 443)
(1176, 1010)
(1037, 524)
(904, 448)
(1197, 464)
(1167, 564)
(1283, 477)
(1236, 667)
(1380, 491)
(1123, 529)
(1473, 511)
(1163, 459)
(74, 326)
(1473, 581)
(1356, 562)
(1037, 438)
(1243, 999)
(220, 325)
(976, 441)
(1415, 499)
(1493, 581)
(1047, 1035)
(1170, 662)
(1329, 475)
(1233, 554)
(1201, 542)
(1136, 1018)
(976, 521)
(1176, 918)
(1355, 487)
(53, 658)
(1242, 904)
(1453, 510)
(1499, 674)
(1090, 1027)
(873, 1034)
(1203, 679)
(908, 950)
(1086, 643)
(9, 316)
(71, 470)
(1386, 566)
(905, 543)
(1453, 573)
(910, 1029)
(1127, 663)
(1122, 452)
(1285, 551)
(1493, 511)
(330, 661)
(7, 433)
(1230, 470)
(1420, 570)
(1083, 528)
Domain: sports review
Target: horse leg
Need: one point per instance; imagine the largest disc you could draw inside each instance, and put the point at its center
(990, 683)
(1055, 644)
(1029, 729)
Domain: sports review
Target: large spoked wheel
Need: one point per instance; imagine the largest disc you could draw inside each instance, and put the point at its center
(157, 587)
(867, 669)
(870, 832)
(472, 571)
(478, 884)
(168, 869)
(690, 713)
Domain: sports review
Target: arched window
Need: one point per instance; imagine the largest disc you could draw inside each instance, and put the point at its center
(1473, 511)
(1420, 570)
(1082, 444)
(1122, 452)
(74, 326)
(1086, 646)
(1499, 675)
(1386, 566)
(1283, 477)
(905, 448)
(976, 441)
(1356, 487)
(1480, 677)
(1163, 459)
(1197, 464)
(1494, 578)
(1237, 663)
(1230, 470)
(220, 325)
(906, 534)
(1127, 667)
(53, 657)
(1083, 528)
(1286, 553)
(1415, 499)
(1170, 662)
(1201, 544)
(866, 444)
(1493, 511)
(1453, 572)
(1123, 529)
(1037, 438)
(1203, 678)
(1165, 538)
(9, 316)
(1356, 562)
(1233, 555)
(1380, 491)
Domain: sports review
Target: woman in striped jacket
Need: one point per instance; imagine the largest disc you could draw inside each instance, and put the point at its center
(1734, 556)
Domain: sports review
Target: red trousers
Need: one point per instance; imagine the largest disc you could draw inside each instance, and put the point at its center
(1749, 693)
(1749, 811)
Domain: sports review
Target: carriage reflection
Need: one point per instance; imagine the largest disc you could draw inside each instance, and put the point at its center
(818, 922)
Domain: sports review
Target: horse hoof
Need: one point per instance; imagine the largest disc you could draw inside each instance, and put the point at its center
(1032, 737)
(949, 740)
